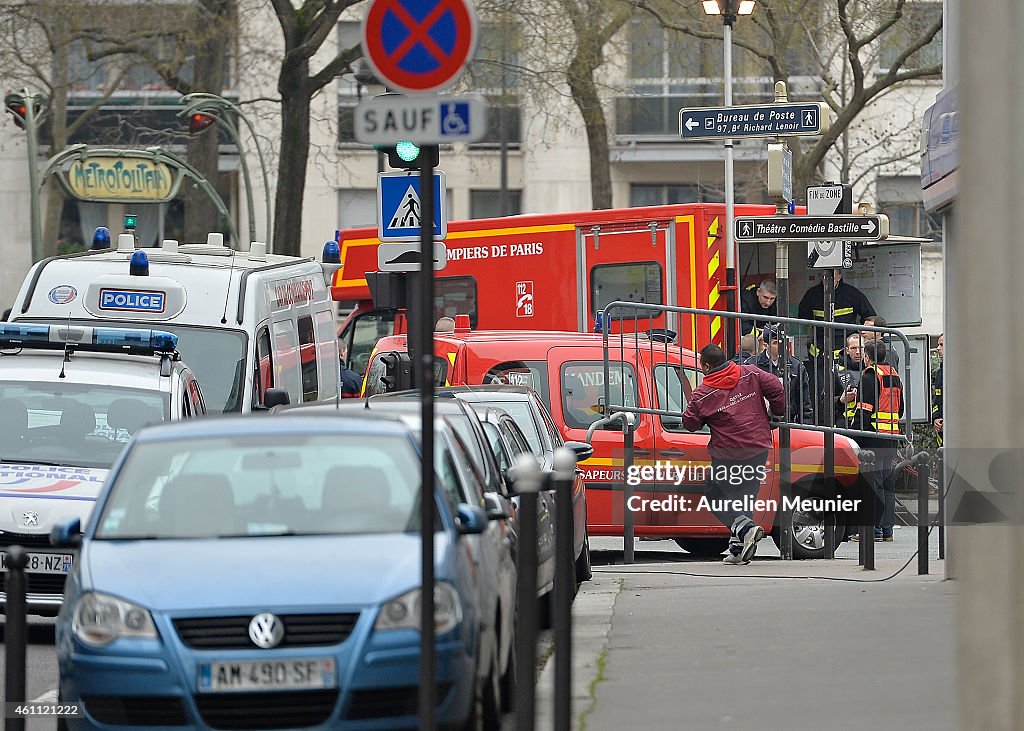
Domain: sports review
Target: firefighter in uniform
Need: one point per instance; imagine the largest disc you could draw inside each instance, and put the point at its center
(851, 307)
(937, 395)
(879, 408)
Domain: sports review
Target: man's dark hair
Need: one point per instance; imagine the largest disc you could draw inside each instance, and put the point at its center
(875, 321)
(875, 350)
(712, 356)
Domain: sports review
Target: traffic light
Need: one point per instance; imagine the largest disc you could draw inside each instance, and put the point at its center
(15, 104)
(407, 156)
(397, 371)
(198, 122)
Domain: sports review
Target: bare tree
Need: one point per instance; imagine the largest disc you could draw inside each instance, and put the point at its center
(306, 26)
(859, 50)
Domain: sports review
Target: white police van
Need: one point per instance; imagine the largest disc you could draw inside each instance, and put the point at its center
(245, 321)
(70, 397)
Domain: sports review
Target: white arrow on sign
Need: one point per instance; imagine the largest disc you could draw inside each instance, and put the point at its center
(869, 227)
(691, 123)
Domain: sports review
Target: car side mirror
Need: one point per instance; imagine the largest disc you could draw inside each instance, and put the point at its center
(276, 397)
(496, 506)
(470, 519)
(583, 450)
(67, 535)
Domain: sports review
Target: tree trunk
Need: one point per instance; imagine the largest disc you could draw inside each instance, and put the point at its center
(584, 93)
(58, 111)
(291, 169)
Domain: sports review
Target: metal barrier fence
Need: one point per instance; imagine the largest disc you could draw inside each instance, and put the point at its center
(810, 394)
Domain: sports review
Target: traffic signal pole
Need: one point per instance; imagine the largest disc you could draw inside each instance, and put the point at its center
(424, 370)
(23, 106)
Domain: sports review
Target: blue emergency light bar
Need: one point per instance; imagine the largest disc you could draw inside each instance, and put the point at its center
(78, 337)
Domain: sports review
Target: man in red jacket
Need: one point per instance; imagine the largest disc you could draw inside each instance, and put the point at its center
(731, 401)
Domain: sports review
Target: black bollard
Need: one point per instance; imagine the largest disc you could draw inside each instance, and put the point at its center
(528, 483)
(565, 583)
(923, 473)
(941, 517)
(867, 533)
(15, 632)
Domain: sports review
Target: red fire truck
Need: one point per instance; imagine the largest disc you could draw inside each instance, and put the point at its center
(556, 271)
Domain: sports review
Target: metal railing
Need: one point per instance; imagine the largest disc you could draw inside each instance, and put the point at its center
(627, 331)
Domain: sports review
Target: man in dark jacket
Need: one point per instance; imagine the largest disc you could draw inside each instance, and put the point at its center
(801, 404)
(851, 307)
(731, 402)
(758, 300)
(351, 382)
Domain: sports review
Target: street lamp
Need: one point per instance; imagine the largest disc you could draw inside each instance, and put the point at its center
(204, 109)
(729, 9)
(28, 110)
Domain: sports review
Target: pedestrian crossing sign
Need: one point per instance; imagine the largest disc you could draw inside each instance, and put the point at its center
(399, 207)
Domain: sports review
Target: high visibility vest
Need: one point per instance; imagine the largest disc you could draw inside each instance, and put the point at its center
(885, 417)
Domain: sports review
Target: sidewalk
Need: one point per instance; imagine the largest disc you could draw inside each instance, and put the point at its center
(688, 644)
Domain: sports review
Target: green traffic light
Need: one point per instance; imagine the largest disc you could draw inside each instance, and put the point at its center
(407, 151)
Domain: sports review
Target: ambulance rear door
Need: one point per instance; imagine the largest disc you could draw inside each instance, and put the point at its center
(630, 261)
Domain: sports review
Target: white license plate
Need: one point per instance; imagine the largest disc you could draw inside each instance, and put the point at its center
(44, 563)
(303, 673)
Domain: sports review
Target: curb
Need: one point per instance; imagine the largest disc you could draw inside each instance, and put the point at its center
(591, 626)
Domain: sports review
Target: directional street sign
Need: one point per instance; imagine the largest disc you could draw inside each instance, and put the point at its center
(405, 257)
(419, 45)
(398, 207)
(761, 120)
(810, 228)
(423, 120)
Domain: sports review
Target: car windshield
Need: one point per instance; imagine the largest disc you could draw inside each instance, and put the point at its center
(60, 423)
(216, 357)
(278, 484)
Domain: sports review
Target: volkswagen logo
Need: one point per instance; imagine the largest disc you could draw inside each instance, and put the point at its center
(30, 518)
(266, 630)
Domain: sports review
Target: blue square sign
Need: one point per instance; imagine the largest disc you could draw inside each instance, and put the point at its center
(399, 207)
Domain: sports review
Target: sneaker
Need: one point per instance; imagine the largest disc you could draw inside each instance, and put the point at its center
(887, 539)
(878, 538)
(855, 537)
(746, 553)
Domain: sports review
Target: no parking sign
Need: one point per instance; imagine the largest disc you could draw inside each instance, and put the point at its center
(419, 46)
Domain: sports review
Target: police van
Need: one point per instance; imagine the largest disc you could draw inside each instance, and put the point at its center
(70, 397)
(246, 321)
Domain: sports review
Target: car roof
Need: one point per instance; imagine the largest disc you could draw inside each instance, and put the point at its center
(89, 368)
(492, 392)
(312, 422)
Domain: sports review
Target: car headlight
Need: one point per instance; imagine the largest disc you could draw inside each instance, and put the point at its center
(404, 611)
(100, 619)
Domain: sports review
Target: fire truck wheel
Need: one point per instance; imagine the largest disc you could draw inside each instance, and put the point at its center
(703, 547)
(583, 570)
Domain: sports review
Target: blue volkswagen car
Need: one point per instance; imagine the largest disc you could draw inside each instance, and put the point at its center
(265, 574)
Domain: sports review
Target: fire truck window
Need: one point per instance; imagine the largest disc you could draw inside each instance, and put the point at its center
(264, 375)
(583, 390)
(634, 282)
(369, 328)
(532, 374)
(673, 395)
(455, 296)
(307, 358)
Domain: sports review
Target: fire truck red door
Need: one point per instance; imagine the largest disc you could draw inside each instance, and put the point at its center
(631, 261)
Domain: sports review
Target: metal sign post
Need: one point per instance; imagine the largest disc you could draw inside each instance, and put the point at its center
(830, 437)
(424, 370)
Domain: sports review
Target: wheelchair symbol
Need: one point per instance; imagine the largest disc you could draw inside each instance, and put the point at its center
(454, 119)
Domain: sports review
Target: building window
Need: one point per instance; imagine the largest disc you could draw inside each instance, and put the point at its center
(669, 70)
(917, 17)
(487, 203)
(644, 194)
(357, 207)
(495, 74)
(899, 198)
